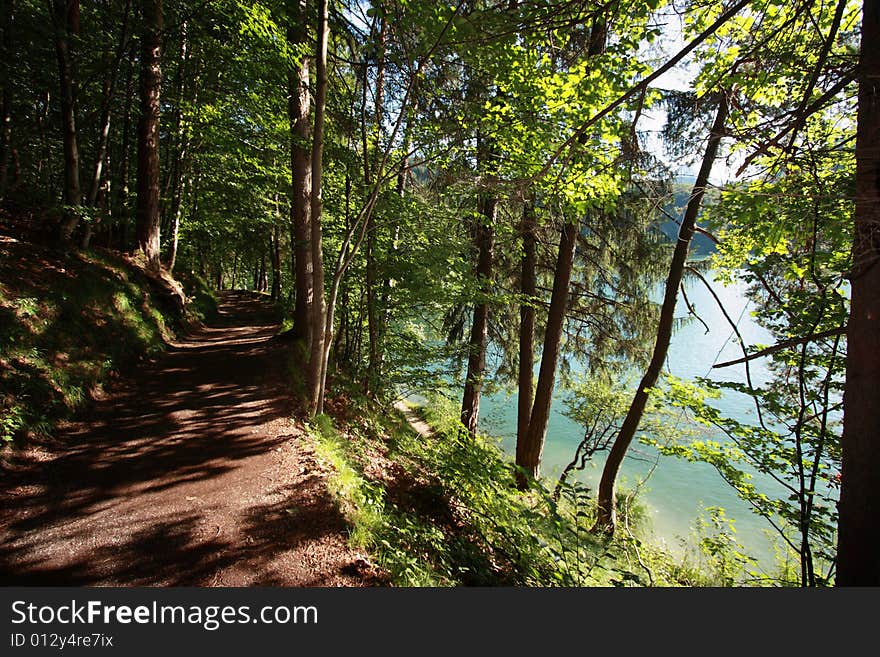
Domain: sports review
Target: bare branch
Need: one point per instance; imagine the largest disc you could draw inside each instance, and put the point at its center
(785, 344)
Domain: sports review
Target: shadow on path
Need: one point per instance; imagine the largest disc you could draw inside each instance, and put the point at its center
(190, 473)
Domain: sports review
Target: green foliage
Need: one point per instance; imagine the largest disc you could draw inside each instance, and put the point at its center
(202, 300)
(361, 502)
(12, 422)
(797, 506)
(444, 519)
(599, 405)
(441, 509)
(718, 543)
(788, 237)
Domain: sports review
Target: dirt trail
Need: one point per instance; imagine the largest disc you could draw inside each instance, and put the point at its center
(190, 473)
(422, 428)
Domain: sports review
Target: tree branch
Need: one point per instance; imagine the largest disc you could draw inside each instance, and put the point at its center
(681, 54)
(785, 344)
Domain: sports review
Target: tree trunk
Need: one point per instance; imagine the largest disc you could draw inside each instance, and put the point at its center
(276, 263)
(533, 445)
(66, 19)
(530, 440)
(5, 137)
(122, 202)
(147, 216)
(528, 289)
(605, 521)
(177, 174)
(374, 369)
(858, 552)
(301, 178)
(177, 212)
(107, 93)
(484, 240)
(6, 96)
(317, 358)
(343, 340)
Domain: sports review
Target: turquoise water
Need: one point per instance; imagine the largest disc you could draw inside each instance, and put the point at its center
(677, 491)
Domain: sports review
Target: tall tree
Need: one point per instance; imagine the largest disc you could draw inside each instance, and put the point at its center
(528, 289)
(108, 90)
(275, 294)
(606, 519)
(858, 556)
(374, 368)
(317, 362)
(179, 152)
(533, 443)
(530, 443)
(121, 208)
(7, 23)
(148, 220)
(298, 107)
(65, 17)
(484, 241)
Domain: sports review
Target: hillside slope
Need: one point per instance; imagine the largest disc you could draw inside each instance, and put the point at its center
(68, 323)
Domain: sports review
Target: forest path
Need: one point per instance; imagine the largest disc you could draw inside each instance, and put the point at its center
(422, 428)
(190, 473)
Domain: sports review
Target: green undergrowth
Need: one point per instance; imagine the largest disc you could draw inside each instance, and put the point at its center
(441, 510)
(68, 322)
(201, 298)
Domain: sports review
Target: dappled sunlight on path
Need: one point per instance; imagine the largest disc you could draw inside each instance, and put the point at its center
(190, 473)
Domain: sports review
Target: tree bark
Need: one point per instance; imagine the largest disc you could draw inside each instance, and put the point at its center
(528, 289)
(374, 369)
(8, 22)
(107, 93)
(180, 152)
(122, 210)
(276, 263)
(147, 215)
(605, 521)
(317, 370)
(66, 20)
(858, 552)
(301, 178)
(261, 272)
(176, 215)
(484, 240)
(529, 454)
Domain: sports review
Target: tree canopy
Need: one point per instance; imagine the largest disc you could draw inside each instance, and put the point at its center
(480, 195)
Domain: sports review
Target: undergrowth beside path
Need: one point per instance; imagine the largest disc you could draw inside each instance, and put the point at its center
(442, 510)
(69, 323)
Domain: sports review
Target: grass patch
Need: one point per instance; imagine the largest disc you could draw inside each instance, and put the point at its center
(68, 322)
(360, 501)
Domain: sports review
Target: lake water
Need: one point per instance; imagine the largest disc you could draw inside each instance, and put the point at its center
(677, 491)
